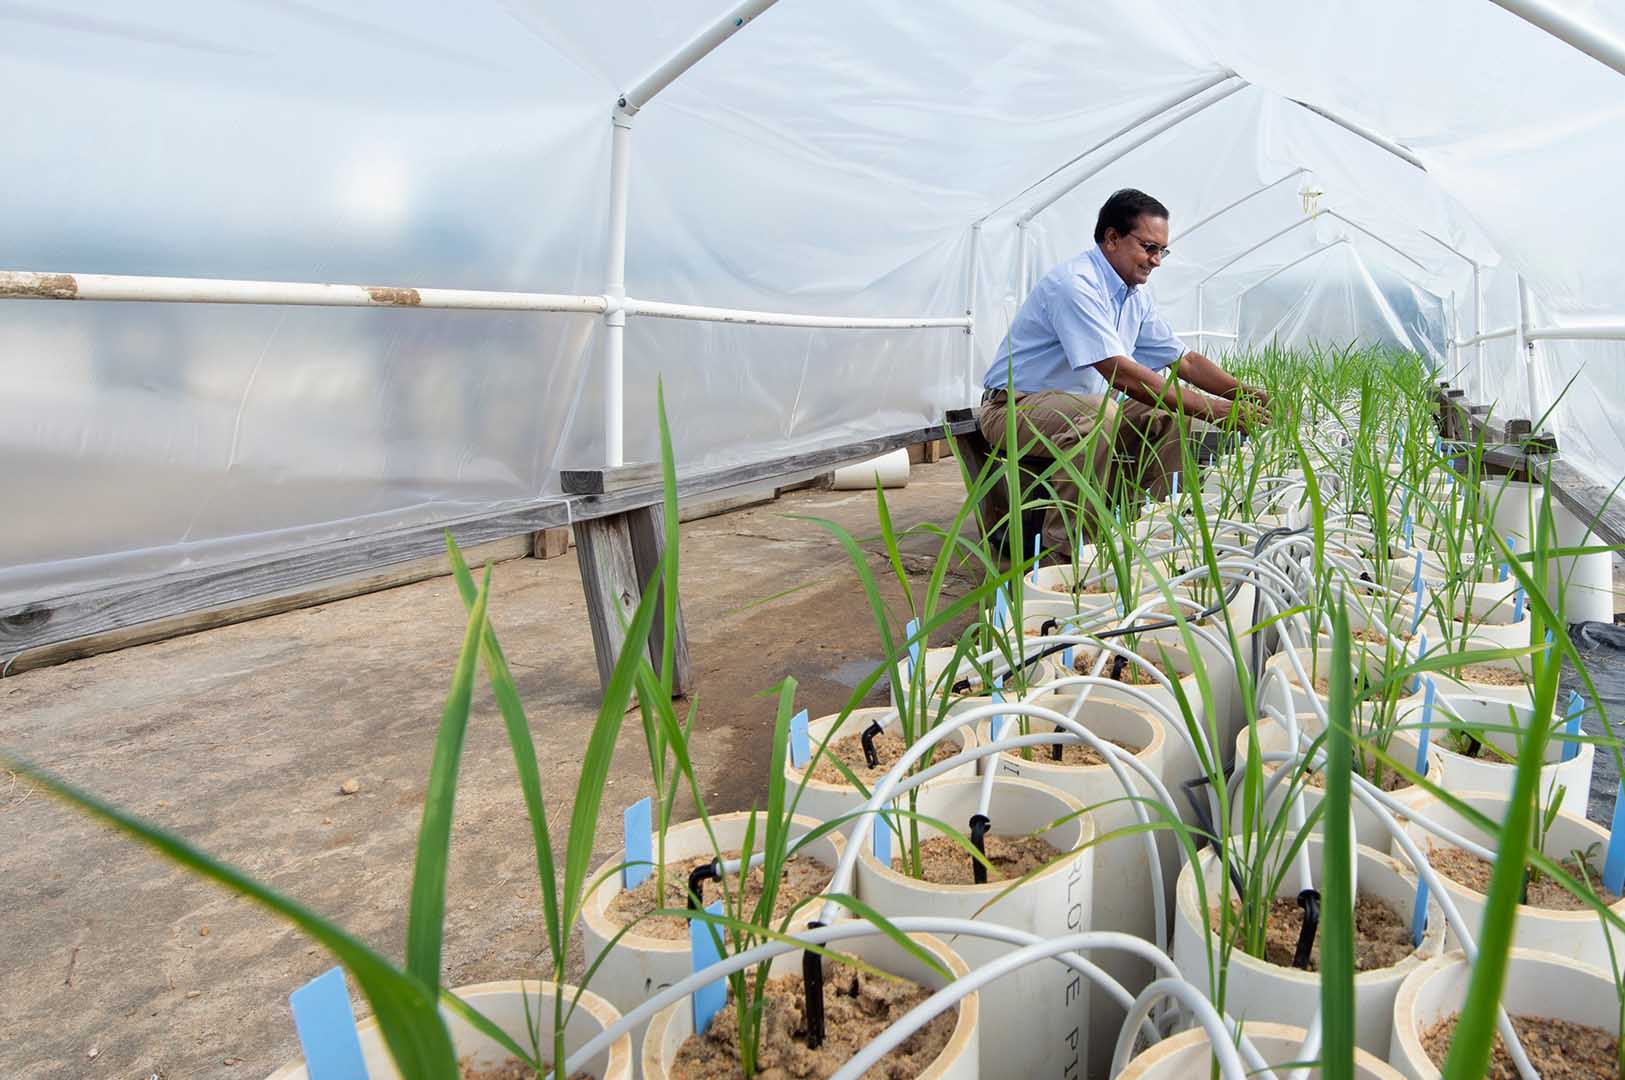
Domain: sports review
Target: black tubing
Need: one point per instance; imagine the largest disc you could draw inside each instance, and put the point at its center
(963, 685)
(870, 733)
(697, 877)
(812, 986)
(1309, 900)
(979, 825)
(1056, 750)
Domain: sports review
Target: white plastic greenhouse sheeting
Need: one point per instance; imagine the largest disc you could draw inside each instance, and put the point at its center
(830, 158)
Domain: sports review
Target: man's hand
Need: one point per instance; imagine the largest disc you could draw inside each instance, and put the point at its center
(1255, 393)
(1248, 414)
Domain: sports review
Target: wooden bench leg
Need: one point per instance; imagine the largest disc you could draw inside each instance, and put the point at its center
(617, 555)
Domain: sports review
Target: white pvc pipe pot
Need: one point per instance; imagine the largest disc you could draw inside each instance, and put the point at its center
(504, 1004)
(1121, 877)
(1187, 1054)
(825, 801)
(641, 964)
(1368, 830)
(1580, 935)
(1490, 772)
(959, 1060)
(1255, 990)
(1537, 984)
(1041, 1012)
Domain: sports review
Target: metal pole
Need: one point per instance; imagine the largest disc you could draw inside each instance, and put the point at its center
(1399, 150)
(620, 162)
(1200, 324)
(698, 47)
(1566, 28)
(970, 310)
(1478, 331)
(1205, 100)
(1185, 234)
(1525, 349)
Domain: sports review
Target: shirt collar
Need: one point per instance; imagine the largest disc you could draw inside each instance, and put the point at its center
(1119, 289)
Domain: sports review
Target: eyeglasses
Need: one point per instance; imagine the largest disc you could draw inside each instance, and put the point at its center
(1153, 250)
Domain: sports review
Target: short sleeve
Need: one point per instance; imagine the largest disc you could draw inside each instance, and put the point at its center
(1082, 319)
(1157, 346)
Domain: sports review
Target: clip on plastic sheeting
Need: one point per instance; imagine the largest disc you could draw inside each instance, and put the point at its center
(800, 740)
(1576, 710)
(703, 951)
(326, 1025)
(638, 824)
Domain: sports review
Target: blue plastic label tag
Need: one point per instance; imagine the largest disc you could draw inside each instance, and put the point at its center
(703, 938)
(638, 825)
(1427, 727)
(326, 1026)
(1419, 913)
(996, 726)
(1001, 609)
(1577, 708)
(1506, 568)
(800, 740)
(882, 840)
(1613, 867)
(911, 630)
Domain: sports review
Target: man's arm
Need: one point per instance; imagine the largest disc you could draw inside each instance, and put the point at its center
(1204, 374)
(1152, 388)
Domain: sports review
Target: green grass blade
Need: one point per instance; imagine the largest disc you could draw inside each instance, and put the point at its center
(523, 747)
(425, 922)
(1337, 888)
(406, 1012)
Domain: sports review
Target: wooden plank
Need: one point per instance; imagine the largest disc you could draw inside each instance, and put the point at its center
(648, 533)
(609, 577)
(550, 543)
(69, 617)
(613, 478)
(739, 500)
(241, 611)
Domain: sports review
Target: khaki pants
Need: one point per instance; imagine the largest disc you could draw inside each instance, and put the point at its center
(1136, 450)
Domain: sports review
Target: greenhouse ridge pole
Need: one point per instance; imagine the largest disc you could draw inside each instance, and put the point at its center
(620, 166)
(1185, 233)
(1399, 150)
(1589, 40)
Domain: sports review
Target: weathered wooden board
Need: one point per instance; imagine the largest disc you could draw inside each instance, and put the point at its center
(88, 615)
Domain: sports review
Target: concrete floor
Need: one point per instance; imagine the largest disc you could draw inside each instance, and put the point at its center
(119, 966)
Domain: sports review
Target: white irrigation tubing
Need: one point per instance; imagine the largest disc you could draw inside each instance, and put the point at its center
(1368, 793)
(951, 994)
(892, 784)
(1223, 1035)
(908, 924)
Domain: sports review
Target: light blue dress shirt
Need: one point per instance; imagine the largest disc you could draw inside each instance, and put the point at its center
(1079, 314)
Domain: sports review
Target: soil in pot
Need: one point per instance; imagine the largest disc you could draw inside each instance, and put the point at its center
(944, 862)
(857, 1008)
(1465, 868)
(512, 1069)
(1391, 780)
(1558, 1049)
(1382, 936)
(888, 749)
(1490, 675)
(1076, 753)
(804, 877)
(1121, 670)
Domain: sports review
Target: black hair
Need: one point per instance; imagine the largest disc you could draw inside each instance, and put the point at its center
(1123, 211)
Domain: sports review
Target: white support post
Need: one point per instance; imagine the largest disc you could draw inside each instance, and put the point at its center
(1201, 325)
(1478, 330)
(1526, 349)
(971, 269)
(1023, 258)
(620, 163)
(1452, 331)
